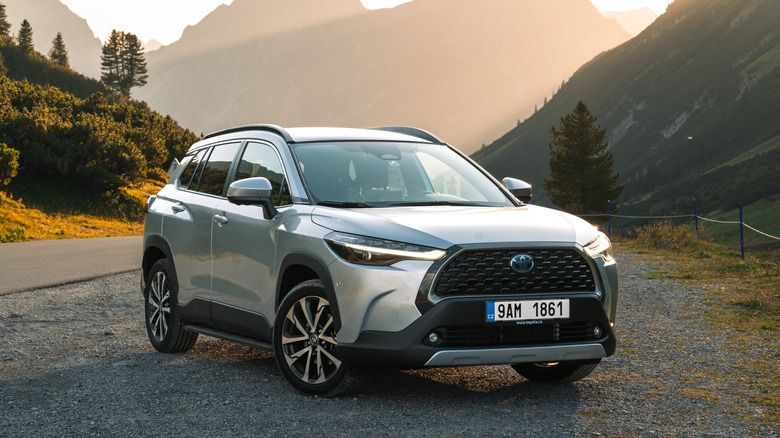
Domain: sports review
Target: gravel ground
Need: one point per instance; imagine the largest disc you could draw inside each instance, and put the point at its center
(75, 361)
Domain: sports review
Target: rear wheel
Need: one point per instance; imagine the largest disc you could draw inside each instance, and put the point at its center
(556, 372)
(163, 321)
(305, 344)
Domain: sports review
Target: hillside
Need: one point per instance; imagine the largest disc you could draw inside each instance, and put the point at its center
(691, 107)
(47, 17)
(634, 21)
(82, 151)
(464, 69)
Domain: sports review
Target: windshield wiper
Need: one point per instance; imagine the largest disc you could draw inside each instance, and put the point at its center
(426, 203)
(344, 204)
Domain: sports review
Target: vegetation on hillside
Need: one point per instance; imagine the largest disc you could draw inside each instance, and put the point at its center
(72, 148)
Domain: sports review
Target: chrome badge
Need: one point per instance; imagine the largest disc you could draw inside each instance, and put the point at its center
(522, 263)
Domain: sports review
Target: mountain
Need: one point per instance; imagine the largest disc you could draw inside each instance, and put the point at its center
(467, 70)
(691, 107)
(47, 17)
(634, 21)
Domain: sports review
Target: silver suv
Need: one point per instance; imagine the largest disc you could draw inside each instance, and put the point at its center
(341, 249)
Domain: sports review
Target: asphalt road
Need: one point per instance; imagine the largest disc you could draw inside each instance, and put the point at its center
(32, 265)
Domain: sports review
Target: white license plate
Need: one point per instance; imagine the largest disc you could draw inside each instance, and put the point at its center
(498, 311)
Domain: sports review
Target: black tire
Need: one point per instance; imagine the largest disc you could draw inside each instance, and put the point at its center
(163, 321)
(305, 344)
(556, 372)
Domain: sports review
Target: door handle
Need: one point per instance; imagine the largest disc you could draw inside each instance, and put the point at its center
(220, 219)
(177, 208)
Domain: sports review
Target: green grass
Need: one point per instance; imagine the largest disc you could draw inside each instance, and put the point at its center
(763, 215)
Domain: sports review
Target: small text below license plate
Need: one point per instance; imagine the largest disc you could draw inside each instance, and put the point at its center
(498, 311)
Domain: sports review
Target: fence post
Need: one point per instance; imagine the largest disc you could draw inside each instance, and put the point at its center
(609, 218)
(696, 219)
(741, 233)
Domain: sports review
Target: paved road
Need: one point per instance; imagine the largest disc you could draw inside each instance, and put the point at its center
(32, 265)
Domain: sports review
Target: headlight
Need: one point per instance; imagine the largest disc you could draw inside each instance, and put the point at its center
(600, 247)
(369, 251)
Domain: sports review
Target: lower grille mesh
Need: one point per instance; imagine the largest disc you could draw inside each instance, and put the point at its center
(515, 335)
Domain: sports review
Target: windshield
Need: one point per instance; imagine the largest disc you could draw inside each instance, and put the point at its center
(365, 174)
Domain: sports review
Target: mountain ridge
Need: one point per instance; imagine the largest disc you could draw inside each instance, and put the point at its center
(47, 17)
(464, 69)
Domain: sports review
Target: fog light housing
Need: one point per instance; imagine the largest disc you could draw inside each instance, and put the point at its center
(434, 338)
(597, 331)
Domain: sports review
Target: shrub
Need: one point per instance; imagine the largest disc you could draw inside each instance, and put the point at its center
(9, 164)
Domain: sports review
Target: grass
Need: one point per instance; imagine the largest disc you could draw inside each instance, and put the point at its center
(19, 222)
(743, 297)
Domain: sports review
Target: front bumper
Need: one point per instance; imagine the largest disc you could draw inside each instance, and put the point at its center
(465, 339)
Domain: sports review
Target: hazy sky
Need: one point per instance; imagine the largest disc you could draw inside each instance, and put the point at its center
(172, 16)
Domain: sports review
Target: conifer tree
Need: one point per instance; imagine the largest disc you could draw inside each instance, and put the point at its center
(123, 63)
(58, 52)
(24, 39)
(581, 180)
(5, 26)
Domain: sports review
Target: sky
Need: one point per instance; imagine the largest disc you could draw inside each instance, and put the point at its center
(167, 25)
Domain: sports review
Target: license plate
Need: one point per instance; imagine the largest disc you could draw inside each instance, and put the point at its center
(509, 311)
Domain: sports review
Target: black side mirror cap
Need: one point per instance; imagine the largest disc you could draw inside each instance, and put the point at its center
(520, 189)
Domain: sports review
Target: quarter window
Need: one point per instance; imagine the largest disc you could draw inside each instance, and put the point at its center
(193, 168)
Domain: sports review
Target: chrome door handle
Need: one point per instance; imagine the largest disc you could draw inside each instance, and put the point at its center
(177, 208)
(220, 219)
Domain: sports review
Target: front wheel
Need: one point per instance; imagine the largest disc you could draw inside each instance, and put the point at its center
(305, 344)
(556, 372)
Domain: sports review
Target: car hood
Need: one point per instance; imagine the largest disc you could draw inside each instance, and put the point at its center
(445, 226)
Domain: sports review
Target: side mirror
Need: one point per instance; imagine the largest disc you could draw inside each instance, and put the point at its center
(520, 189)
(253, 191)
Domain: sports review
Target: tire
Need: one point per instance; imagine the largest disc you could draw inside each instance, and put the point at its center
(305, 344)
(163, 321)
(556, 372)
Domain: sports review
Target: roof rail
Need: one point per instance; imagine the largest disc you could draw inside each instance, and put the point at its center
(270, 128)
(414, 132)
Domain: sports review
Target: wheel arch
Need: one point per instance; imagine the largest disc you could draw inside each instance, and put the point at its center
(156, 248)
(298, 267)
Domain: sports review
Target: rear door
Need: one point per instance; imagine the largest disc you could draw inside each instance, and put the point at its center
(188, 227)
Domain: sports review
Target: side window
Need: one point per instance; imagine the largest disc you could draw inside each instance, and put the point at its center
(193, 168)
(212, 181)
(261, 160)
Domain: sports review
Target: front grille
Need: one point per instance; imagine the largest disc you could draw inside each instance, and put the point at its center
(488, 272)
(515, 335)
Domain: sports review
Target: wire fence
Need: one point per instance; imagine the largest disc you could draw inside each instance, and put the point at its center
(695, 217)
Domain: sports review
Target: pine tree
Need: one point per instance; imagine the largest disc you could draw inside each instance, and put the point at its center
(111, 61)
(134, 64)
(123, 63)
(24, 39)
(5, 26)
(581, 180)
(58, 52)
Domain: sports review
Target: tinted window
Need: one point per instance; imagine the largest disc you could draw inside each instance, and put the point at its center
(193, 168)
(212, 181)
(261, 160)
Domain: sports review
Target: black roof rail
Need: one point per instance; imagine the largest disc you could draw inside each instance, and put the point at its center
(414, 132)
(270, 128)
